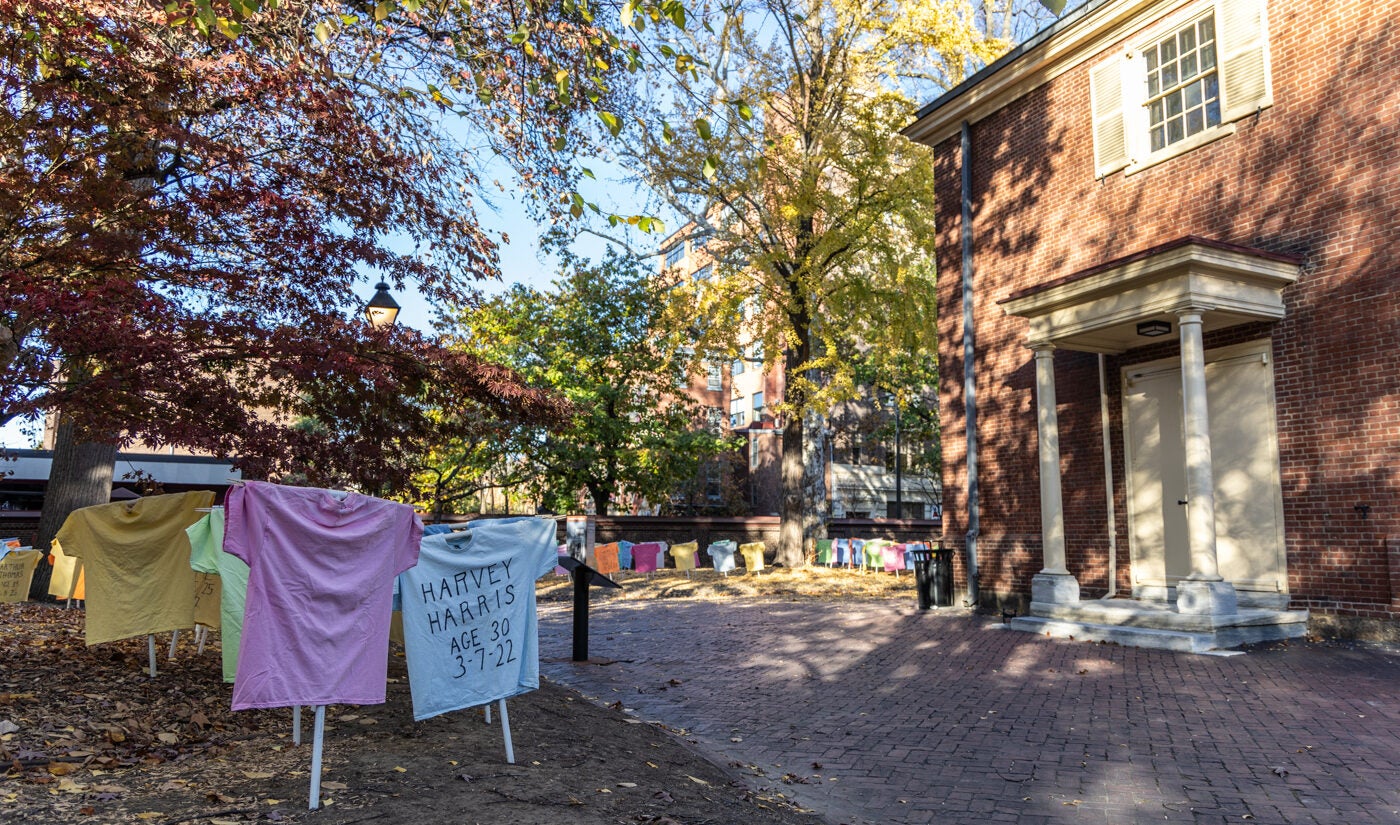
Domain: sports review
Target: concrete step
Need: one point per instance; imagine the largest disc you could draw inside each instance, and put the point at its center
(1222, 637)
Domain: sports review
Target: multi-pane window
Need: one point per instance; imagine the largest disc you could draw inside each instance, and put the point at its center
(1183, 86)
(754, 453)
(737, 367)
(757, 404)
(738, 416)
(704, 273)
(714, 380)
(675, 254)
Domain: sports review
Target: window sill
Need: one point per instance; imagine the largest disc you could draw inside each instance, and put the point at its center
(1180, 148)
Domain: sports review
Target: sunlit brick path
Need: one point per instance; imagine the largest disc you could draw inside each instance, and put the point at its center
(949, 718)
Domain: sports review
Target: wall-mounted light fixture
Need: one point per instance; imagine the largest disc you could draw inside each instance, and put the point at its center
(1152, 329)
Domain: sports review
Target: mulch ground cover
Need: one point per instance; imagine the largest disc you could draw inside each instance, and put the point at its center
(87, 736)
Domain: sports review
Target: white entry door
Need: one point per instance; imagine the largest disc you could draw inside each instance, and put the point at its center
(1244, 447)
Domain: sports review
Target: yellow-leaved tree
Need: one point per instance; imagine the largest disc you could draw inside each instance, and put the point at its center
(778, 145)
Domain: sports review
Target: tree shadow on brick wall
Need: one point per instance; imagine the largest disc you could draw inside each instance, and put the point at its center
(1314, 178)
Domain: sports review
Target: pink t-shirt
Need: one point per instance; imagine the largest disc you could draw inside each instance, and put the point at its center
(320, 586)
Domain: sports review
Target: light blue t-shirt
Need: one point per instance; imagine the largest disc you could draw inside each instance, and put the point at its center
(470, 631)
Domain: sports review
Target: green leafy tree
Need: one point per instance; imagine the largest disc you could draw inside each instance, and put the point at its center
(601, 341)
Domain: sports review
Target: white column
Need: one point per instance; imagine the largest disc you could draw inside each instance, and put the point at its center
(1052, 512)
(1204, 591)
(1200, 478)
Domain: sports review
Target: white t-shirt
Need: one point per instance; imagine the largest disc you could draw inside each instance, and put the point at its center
(469, 623)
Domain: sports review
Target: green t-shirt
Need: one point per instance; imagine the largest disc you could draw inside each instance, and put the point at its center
(207, 556)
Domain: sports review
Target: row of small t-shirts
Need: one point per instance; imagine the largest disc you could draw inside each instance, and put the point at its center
(307, 579)
(648, 557)
(872, 553)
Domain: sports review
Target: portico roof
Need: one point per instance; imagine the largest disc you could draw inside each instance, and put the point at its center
(1098, 309)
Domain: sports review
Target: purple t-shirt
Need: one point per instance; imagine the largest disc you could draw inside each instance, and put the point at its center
(320, 581)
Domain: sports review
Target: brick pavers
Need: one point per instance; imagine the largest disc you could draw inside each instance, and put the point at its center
(895, 716)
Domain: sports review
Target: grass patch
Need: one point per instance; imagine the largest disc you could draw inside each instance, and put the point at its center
(811, 582)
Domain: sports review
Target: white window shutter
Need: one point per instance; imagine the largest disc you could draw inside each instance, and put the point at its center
(1110, 132)
(1243, 41)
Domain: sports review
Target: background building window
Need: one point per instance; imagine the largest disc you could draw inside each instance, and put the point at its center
(738, 416)
(737, 367)
(1183, 89)
(757, 404)
(714, 379)
(753, 451)
(675, 254)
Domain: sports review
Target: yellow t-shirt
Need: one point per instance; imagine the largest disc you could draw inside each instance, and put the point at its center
(753, 555)
(139, 558)
(61, 580)
(684, 555)
(207, 587)
(16, 572)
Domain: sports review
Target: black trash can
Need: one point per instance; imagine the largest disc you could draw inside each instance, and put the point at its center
(942, 575)
(933, 577)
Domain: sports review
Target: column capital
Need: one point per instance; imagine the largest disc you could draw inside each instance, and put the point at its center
(1190, 313)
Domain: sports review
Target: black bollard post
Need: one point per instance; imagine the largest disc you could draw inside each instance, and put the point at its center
(581, 577)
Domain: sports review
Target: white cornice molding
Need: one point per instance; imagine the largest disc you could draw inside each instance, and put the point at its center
(1024, 71)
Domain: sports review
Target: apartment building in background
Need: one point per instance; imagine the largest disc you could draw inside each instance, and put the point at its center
(741, 392)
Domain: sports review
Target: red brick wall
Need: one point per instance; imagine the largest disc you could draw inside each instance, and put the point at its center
(1315, 175)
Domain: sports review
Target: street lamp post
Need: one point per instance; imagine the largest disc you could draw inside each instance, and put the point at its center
(898, 468)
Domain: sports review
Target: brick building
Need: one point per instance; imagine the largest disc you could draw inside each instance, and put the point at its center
(1177, 280)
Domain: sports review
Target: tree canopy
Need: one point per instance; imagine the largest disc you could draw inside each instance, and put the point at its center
(192, 195)
(599, 339)
(812, 205)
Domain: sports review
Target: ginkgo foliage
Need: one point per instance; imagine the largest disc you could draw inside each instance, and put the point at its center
(778, 144)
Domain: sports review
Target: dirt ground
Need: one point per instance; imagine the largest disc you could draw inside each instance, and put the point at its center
(87, 737)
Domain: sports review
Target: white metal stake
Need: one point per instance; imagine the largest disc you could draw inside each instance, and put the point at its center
(296, 725)
(151, 651)
(201, 633)
(488, 713)
(316, 756)
(174, 637)
(505, 730)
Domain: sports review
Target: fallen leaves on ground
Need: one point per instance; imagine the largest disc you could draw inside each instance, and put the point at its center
(811, 582)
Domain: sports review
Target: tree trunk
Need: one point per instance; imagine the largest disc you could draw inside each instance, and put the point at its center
(600, 497)
(815, 500)
(791, 529)
(81, 476)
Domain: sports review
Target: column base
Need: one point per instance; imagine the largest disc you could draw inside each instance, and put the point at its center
(1054, 588)
(1205, 598)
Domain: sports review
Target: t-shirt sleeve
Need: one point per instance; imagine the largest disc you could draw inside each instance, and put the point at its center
(72, 534)
(202, 558)
(408, 548)
(236, 512)
(544, 550)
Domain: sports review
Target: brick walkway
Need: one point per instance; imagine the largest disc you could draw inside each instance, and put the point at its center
(944, 717)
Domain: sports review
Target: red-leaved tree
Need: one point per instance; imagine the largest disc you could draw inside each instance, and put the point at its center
(192, 196)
